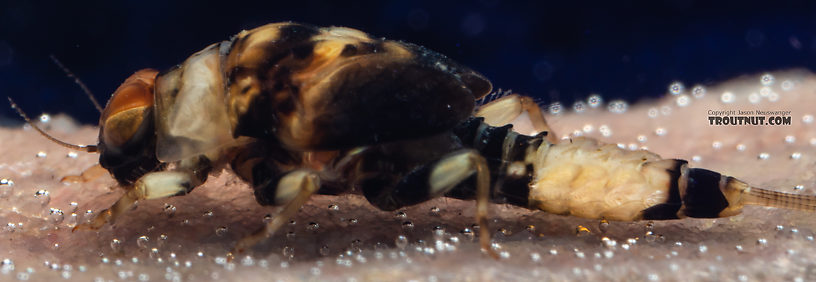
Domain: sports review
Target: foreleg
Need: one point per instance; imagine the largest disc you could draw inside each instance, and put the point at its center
(153, 185)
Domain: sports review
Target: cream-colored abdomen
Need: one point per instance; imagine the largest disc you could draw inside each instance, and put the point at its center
(591, 180)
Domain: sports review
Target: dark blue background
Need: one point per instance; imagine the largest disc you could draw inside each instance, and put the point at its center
(553, 51)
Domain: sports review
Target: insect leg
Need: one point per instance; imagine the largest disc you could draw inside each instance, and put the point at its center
(293, 189)
(433, 180)
(88, 175)
(153, 185)
(506, 109)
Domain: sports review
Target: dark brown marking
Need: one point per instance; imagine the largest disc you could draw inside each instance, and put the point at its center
(349, 50)
(669, 209)
(703, 197)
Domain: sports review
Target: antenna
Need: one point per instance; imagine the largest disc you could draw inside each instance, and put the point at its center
(77, 81)
(85, 148)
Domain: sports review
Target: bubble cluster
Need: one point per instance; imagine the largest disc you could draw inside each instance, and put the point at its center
(618, 106)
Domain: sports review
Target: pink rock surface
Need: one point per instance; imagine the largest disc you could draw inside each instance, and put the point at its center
(344, 238)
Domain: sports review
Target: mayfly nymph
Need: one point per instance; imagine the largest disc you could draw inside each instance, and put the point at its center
(296, 110)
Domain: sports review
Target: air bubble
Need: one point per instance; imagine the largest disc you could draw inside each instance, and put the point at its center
(765, 91)
(400, 215)
(642, 138)
(653, 112)
(208, 214)
(581, 231)
(790, 139)
(89, 215)
(698, 91)
(594, 100)
(162, 240)
(660, 131)
(618, 106)
(605, 130)
(766, 79)
(312, 226)
(727, 97)
(579, 254)
(56, 215)
(579, 107)
(588, 128)
(41, 154)
(787, 85)
(72, 155)
(169, 210)
(6, 188)
(796, 155)
(142, 241)
(603, 226)
(43, 197)
(741, 147)
(773, 97)
(434, 211)
(683, 100)
(676, 88)
(334, 207)
(666, 110)
(407, 225)
(45, 118)
(555, 108)
(799, 187)
(221, 231)
(753, 98)
(324, 251)
(116, 245)
(805, 118)
(288, 252)
(763, 156)
(468, 233)
(650, 236)
(247, 261)
(716, 145)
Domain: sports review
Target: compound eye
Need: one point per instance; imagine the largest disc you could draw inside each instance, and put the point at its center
(125, 112)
